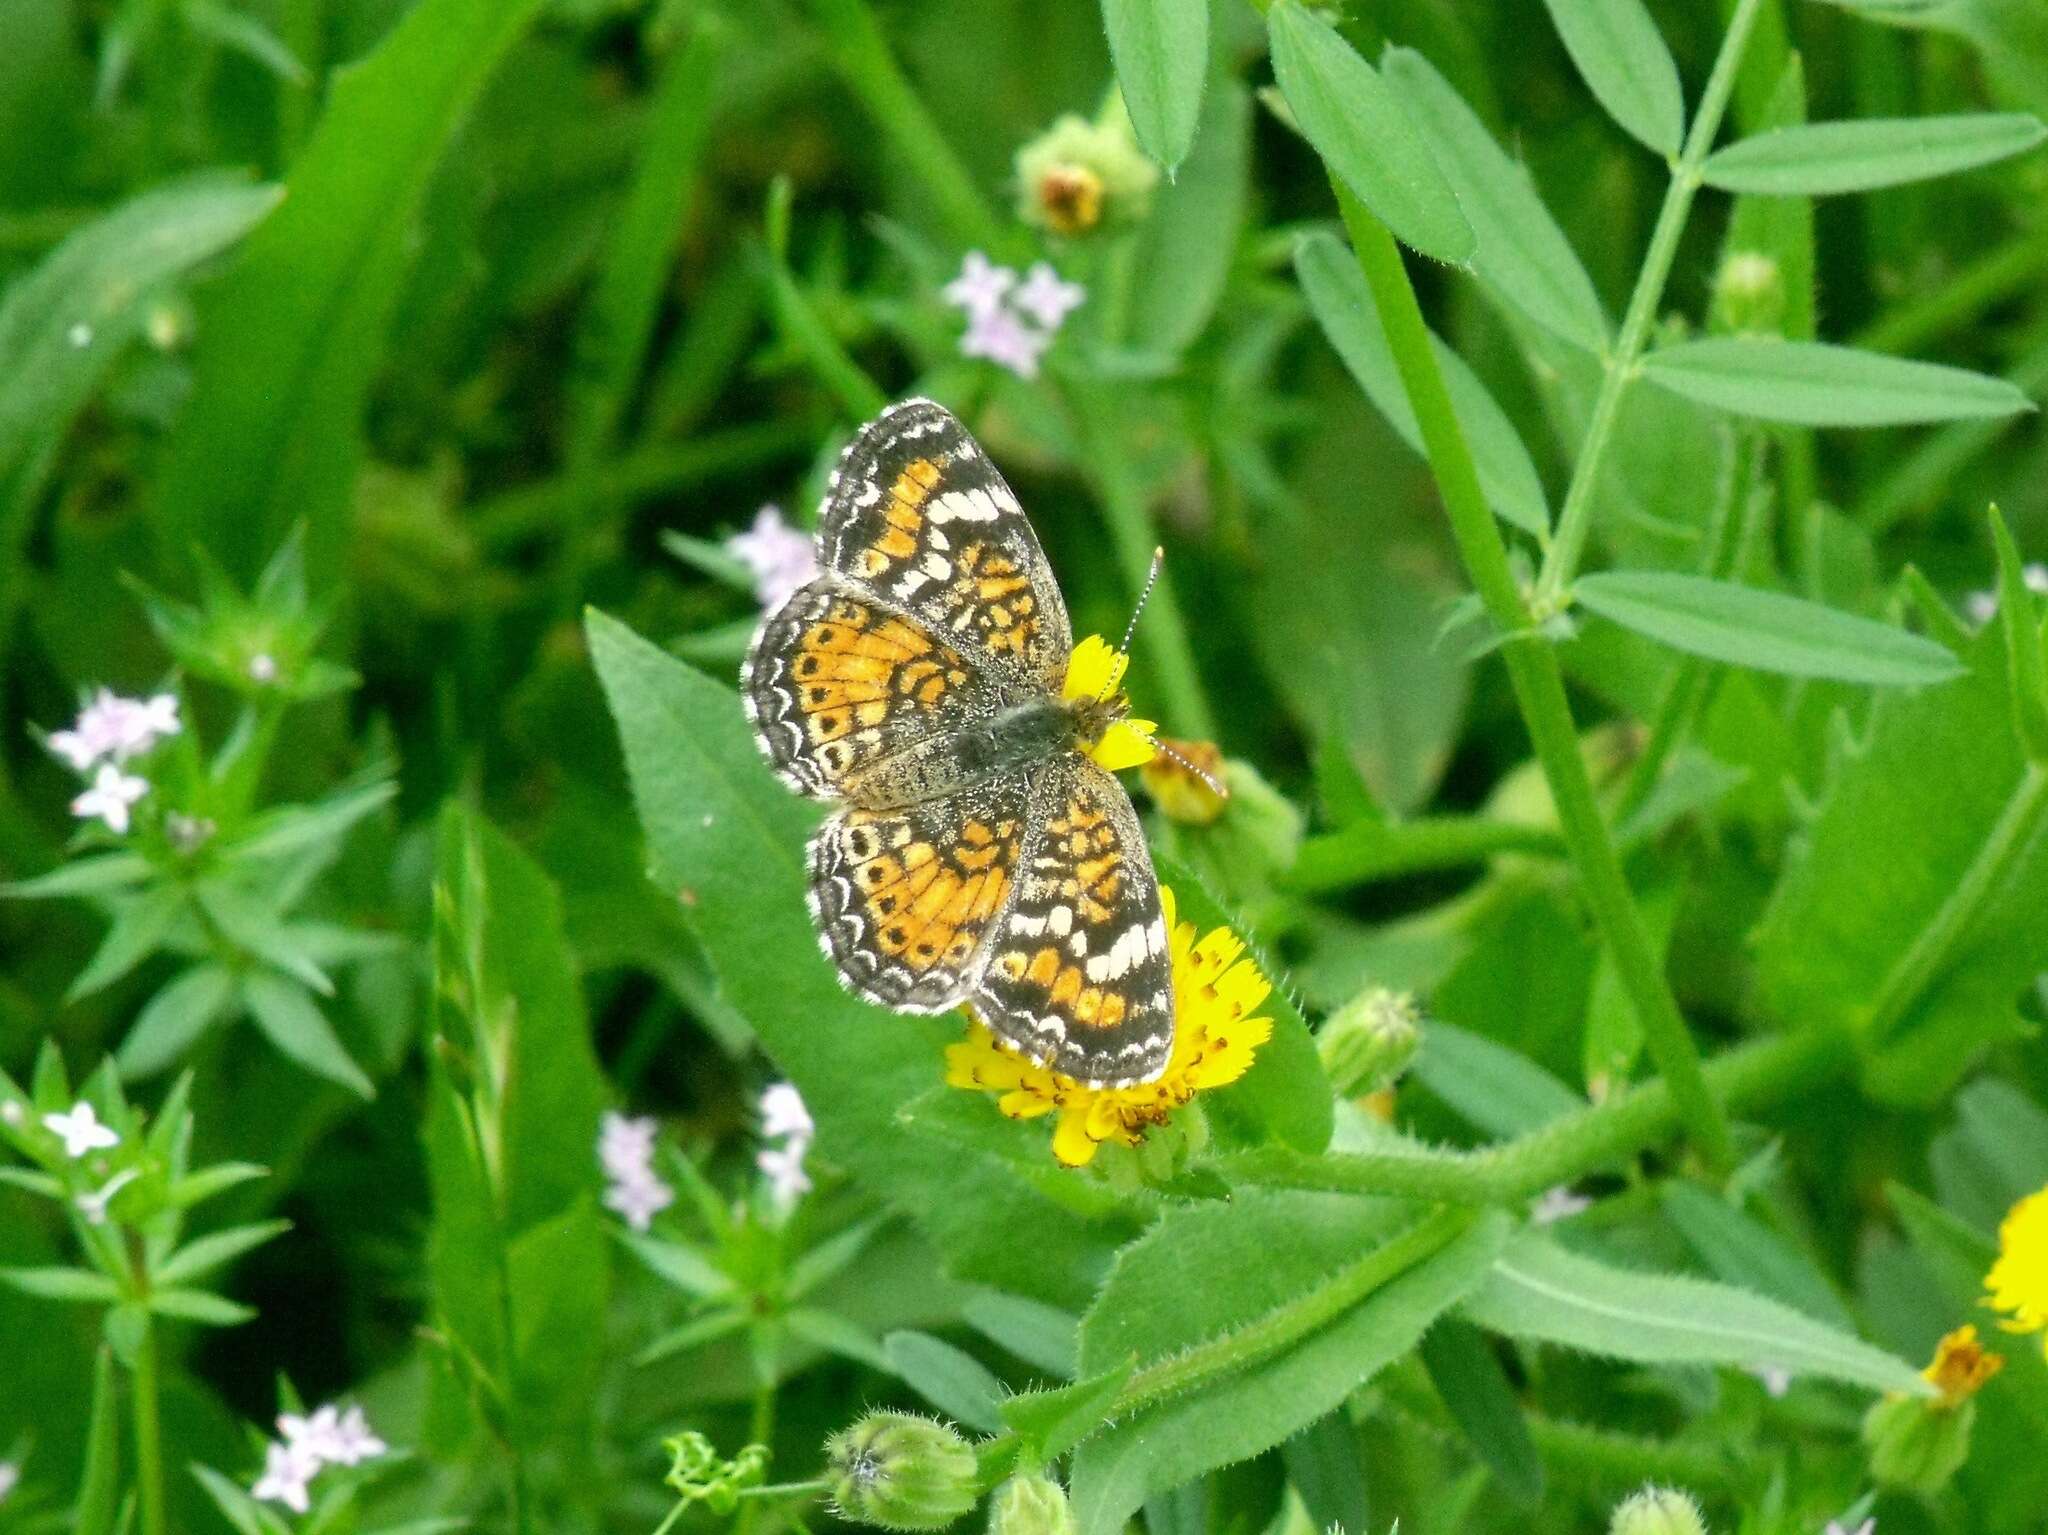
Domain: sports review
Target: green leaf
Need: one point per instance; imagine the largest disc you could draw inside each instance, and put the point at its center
(172, 1020)
(100, 874)
(1285, 1094)
(1769, 631)
(515, 1236)
(1818, 159)
(199, 1306)
(1343, 307)
(1500, 1090)
(296, 827)
(1248, 1271)
(140, 925)
(291, 1020)
(1522, 254)
(1900, 822)
(236, 1506)
(680, 1264)
(1182, 254)
(1541, 1293)
(1039, 1334)
(1347, 113)
(2020, 623)
(617, 323)
(1475, 1390)
(99, 1485)
(1811, 383)
(291, 337)
(63, 325)
(1055, 1421)
(197, 1188)
(726, 840)
(1161, 52)
(1742, 1250)
(1625, 64)
(1326, 1465)
(204, 1254)
(958, 1384)
(80, 1285)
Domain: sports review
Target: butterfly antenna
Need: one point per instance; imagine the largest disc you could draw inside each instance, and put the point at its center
(1215, 785)
(1123, 646)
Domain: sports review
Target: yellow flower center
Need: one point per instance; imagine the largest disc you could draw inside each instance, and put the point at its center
(1961, 1366)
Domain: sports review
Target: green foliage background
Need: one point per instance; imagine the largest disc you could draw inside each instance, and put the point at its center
(431, 350)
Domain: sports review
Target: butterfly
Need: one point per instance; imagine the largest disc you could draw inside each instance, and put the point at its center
(976, 854)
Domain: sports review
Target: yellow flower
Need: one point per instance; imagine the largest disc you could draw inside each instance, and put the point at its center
(1961, 1366)
(1216, 992)
(1178, 788)
(1096, 671)
(2018, 1281)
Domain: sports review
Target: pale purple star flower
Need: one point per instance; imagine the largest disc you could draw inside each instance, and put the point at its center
(1046, 298)
(639, 1200)
(112, 795)
(784, 1165)
(287, 1470)
(779, 557)
(1003, 339)
(980, 287)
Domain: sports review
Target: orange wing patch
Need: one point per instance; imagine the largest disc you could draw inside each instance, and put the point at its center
(996, 599)
(857, 667)
(906, 896)
(902, 520)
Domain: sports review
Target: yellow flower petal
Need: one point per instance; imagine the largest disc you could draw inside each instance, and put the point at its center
(1094, 670)
(1071, 1142)
(1126, 744)
(2018, 1281)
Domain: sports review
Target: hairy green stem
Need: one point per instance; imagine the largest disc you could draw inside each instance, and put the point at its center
(1930, 953)
(1749, 1077)
(1539, 686)
(1290, 1323)
(1575, 519)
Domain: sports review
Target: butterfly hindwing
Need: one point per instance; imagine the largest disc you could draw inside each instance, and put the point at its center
(1079, 974)
(918, 515)
(905, 899)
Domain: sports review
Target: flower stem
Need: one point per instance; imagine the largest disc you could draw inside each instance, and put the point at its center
(1538, 684)
(149, 1440)
(1922, 963)
(1574, 521)
(1751, 1076)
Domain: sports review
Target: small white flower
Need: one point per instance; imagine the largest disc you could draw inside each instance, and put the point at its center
(286, 1471)
(10, 1478)
(112, 793)
(12, 1112)
(779, 557)
(1006, 341)
(94, 1206)
(263, 667)
(1556, 1205)
(314, 1435)
(784, 1166)
(625, 1147)
(1777, 1380)
(94, 734)
(980, 287)
(1981, 607)
(144, 722)
(639, 1200)
(80, 1130)
(355, 1441)
(783, 1112)
(1046, 298)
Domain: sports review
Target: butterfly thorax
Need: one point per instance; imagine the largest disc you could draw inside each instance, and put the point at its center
(1030, 732)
